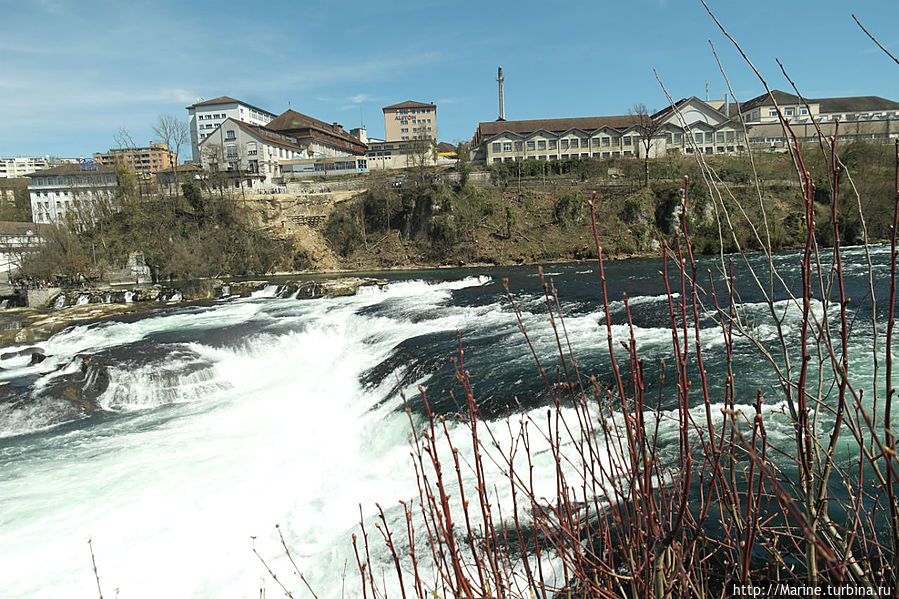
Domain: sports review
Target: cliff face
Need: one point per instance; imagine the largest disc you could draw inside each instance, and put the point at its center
(440, 225)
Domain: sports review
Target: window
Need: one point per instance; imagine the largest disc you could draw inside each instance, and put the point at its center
(564, 144)
(627, 140)
(789, 111)
(532, 145)
(730, 137)
(719, 137)
(605, 142)
(595, 142)
(231, 152)
(495, 147)
(507, 146)
(518, 146)
(678, 139)
(772, 112)
(251, 148)
(574, 143)
(803, 111)
(552, 144)
(229, 134)
(541, 144)
(616, 140)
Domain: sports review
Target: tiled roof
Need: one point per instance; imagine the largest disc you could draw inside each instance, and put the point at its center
(219, 100)
(409, 104)
(290, 121)
(72, 169)
(589, 123)
(826, 105)
(855, 104)
(269, 136)
(765, 100)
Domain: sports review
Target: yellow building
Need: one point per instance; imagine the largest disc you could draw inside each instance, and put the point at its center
(410, 120)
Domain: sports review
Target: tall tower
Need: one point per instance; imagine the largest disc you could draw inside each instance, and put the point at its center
(502, 104)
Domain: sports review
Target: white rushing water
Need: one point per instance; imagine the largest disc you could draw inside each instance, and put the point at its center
(220, 422)
(275, 428)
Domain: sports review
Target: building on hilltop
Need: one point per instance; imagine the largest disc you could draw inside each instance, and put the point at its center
(144, 162)
(72, 195)
(410, 120)
(860, 118)
(689, 126)
(317, 137)
(250, 155)
(14, 167)
(205, 115)
(556, 139)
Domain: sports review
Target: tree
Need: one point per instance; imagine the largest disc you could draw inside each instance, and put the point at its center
(173, 133)
(421, 155)
(463, 163)
(647, 129)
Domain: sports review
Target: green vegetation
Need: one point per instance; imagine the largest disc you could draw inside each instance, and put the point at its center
(535, 210)
(192, 235)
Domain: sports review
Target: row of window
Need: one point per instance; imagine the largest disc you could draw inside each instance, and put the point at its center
(73, 180)
(614, 141)
(414, 111)
(615, 154)
(211, 116)
(803, 111)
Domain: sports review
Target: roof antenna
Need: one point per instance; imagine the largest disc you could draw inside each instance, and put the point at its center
(706, 90)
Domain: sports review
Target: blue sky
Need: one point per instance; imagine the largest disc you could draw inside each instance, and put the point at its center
(73, 74)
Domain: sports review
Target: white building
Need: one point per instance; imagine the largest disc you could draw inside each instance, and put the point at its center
(72, 194)
(16, 240)
(205, 115)
(12, 167)
(249, 154)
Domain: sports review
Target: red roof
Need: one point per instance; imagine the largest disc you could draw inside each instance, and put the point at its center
(292, 122)
(410, 104)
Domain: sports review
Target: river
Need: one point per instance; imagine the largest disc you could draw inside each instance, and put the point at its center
(219, 421)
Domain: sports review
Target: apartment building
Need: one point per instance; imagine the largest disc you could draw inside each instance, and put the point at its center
(410, 120)
(72, 194)
(13, 167)
(144, 162)
(204, 116)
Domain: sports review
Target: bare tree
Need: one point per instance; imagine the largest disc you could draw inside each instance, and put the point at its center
(647, 128)
(174, 133)
(421, 155)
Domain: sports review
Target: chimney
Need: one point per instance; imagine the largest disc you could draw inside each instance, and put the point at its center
(502, 104)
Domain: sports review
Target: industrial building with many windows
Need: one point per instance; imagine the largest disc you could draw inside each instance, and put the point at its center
(410, 120)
